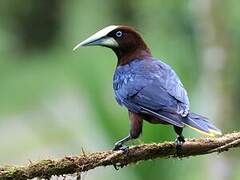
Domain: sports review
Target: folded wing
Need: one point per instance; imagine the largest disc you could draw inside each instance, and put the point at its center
(151, 87)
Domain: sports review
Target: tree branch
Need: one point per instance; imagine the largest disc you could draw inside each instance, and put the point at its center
(87, 161)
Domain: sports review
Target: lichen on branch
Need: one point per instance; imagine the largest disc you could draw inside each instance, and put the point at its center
(88, 161)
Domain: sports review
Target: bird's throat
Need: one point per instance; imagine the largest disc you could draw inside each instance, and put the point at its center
(126, 57)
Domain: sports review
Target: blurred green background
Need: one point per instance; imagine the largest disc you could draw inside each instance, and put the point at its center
(54, 102)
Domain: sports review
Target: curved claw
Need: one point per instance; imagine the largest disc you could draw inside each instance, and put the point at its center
(117, 146)
(117, 166)
(122, 147)
(180, 140)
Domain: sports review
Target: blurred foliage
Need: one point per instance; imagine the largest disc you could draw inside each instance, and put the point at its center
(30, 19)
(54, 101)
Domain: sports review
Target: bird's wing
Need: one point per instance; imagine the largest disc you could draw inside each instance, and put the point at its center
(174, 87)
(152, 85)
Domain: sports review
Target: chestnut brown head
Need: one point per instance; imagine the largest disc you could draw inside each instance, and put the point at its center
(125, 41)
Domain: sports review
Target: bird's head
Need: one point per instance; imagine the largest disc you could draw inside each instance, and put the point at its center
(125, 41)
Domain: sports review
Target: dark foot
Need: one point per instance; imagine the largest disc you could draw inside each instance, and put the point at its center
(122, 147)
(179, 141)
(117, 166)
(119, 146)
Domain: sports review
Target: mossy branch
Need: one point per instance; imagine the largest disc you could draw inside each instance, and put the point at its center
(87, 161)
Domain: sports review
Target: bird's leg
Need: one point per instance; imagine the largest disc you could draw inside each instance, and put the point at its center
(180, 139)
(119, 145)
(135, 131)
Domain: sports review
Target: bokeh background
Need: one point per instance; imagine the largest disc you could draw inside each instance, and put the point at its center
(56, 102)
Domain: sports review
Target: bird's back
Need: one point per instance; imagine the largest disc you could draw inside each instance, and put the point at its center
(151, 84)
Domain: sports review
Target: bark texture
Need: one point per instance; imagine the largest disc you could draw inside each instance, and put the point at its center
(88, 161)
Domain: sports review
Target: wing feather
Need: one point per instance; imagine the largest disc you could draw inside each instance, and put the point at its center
(152, 86)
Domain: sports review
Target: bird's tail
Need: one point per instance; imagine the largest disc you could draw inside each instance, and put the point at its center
(201, 124)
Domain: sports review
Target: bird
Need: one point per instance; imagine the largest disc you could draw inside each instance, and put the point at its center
(149, 88)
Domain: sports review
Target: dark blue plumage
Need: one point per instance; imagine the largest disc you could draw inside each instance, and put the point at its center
(150, 85)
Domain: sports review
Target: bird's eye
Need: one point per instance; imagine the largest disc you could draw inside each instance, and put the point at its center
(119, 33)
